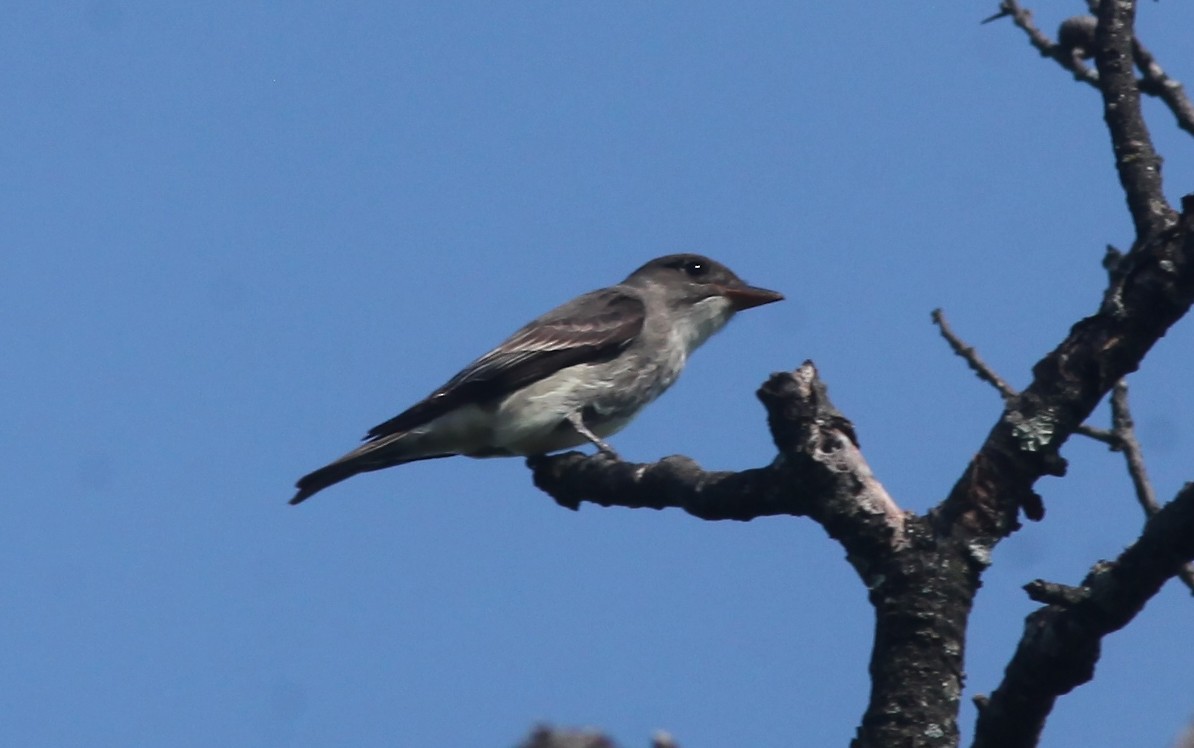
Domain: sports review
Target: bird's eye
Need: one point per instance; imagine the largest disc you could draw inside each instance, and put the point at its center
(695, 268)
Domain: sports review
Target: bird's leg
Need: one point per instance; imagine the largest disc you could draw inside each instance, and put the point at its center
(578, 423)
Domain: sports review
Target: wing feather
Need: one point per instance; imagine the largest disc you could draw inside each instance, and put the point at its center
(590, 328)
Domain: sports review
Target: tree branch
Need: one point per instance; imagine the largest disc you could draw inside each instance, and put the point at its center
(1062, 641)
(1125, 433)
(1136, 160)
(819, 473)
(971, 357)
(1153, 292)
(1126, 442)
(1068, 52)
(1075, 43)
(1155, 82)
(545, 736)
(988, 374)
(1121, 437)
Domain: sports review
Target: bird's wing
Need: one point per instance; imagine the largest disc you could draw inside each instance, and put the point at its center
(590, 328)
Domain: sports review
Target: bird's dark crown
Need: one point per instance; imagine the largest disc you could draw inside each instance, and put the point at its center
(693, 267)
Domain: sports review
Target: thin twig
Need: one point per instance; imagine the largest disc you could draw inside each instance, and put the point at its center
(1154, 81)
(1125, 433)
(991, 377)
(1105, 436)
(971, 357)
(1125, 430)
(1067, 57)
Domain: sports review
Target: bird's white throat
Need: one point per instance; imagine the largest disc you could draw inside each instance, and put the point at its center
(705, 317)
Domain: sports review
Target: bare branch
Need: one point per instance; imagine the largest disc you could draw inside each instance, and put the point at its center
(971, 357)
(1069, 56)
(1136, 160)
(1125, 434)
(545, 736)
(677, 482)
(1121, 438)
(819, 473)
(1062, 641)
(1155, 288)
(1075, 43)
(1099, 435)
(920, 585)
(549, 737)
(1155, 82)
(990, 376)
(1052, 593)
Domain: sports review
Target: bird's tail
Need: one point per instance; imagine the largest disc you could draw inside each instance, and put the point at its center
(376, 455)
(328, 475)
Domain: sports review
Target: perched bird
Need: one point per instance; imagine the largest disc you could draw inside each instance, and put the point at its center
(577, 374)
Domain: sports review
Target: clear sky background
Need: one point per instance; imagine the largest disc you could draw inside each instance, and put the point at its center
(236, 235)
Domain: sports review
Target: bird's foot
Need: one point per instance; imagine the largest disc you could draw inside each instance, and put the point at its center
(607, 450)
(578, 423)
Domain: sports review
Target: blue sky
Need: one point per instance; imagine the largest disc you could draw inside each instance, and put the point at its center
(238, 234)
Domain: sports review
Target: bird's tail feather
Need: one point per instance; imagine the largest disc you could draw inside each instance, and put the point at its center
(328, 475)
(346, 467)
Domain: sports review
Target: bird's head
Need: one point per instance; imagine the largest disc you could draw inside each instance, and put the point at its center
(693, 278)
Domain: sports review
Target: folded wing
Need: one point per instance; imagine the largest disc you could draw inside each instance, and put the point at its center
(591, 328)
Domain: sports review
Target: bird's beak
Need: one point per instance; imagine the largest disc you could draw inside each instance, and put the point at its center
(745, 297)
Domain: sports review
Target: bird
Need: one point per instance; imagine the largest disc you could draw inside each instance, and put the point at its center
(575, 375)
